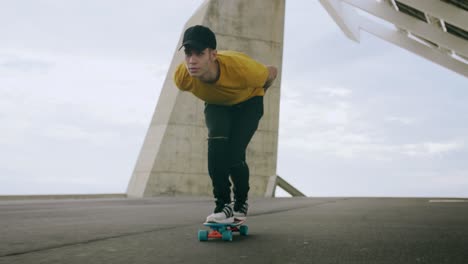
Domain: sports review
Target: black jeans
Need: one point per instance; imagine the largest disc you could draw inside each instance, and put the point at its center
(230, 129)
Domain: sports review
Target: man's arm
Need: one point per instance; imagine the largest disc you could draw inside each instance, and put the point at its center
(272, 73)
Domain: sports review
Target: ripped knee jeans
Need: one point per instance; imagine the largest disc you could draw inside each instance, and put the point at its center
(230, 129)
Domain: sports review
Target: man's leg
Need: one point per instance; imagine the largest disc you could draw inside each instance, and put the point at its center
(218, 122)
(246, 118)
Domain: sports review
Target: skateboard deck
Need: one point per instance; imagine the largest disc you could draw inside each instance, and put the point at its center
(223, 231)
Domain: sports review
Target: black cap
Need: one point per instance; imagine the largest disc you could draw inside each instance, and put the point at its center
(199, 38)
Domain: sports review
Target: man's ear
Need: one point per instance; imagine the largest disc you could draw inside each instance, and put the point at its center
(214, 53)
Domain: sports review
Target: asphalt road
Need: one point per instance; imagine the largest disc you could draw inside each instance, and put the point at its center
(282, 230)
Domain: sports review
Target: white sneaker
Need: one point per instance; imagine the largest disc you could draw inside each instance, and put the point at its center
(240, 211)
(225, 215)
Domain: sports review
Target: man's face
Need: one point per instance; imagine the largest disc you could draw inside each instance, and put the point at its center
(198, 62)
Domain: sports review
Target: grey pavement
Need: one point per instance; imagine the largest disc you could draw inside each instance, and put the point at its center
(281, 230)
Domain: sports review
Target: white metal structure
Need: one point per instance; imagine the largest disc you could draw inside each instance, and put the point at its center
(434, 29)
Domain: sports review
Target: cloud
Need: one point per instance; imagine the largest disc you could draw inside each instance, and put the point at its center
(71, 133)
(335, 91)
(76, 120)
(327, 120)
(400, 120)
(100, 89)
(24, 64)
(144, 30)
(431, 148)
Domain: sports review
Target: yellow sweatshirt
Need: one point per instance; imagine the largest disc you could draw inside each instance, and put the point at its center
(240, 79)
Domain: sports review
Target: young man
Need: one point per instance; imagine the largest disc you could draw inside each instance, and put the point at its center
(232, 85)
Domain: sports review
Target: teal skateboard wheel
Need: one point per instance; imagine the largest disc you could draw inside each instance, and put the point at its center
(202, 235)
(244, 230)
(227, 235)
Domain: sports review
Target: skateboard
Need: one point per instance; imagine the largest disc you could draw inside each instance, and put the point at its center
(223, 231)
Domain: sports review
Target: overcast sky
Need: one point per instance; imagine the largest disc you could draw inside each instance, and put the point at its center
(79, 81)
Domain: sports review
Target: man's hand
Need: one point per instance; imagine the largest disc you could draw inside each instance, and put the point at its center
(272, 73)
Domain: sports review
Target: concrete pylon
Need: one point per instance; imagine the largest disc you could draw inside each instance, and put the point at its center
(173, 159)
